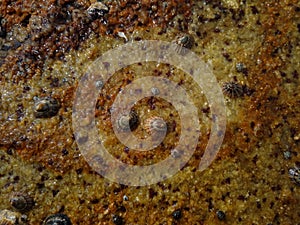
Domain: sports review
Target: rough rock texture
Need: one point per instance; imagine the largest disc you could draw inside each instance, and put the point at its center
(47, 46)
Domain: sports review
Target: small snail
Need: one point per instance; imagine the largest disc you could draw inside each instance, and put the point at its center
(57, 219)
(21, 202)
(46, 107)
(177, 214)
(128, 122)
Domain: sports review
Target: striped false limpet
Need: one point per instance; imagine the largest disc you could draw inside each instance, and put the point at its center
(233, 89)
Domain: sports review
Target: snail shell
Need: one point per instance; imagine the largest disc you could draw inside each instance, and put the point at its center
(21, 202)
(57, 219)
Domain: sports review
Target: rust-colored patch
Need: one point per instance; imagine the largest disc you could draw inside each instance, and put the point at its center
(63, 25)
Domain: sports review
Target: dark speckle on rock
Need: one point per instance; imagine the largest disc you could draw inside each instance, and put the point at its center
(2, 32)
(2, 29)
